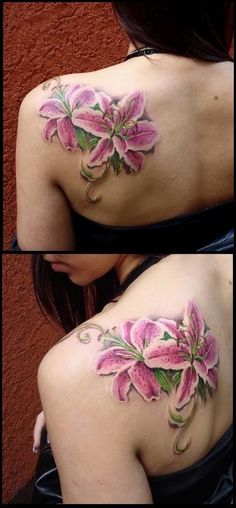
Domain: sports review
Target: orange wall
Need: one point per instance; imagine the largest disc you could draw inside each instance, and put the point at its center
(27, 336)
(42, 40)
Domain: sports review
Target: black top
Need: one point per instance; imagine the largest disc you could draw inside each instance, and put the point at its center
(210, 230)
(208, 481)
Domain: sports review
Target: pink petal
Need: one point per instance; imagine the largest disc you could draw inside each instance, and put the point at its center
(144, 381)
(134, 160)
(113, 359)
(201, 369)
(212, 378)
(172, 328)
(49, 129)
(104, 101)
(125, 329)
(209, 350)
(144, 331)
(84, 96)
(92, 121)
(194, 322)
(187, 387)
(52, 108)
(167, 355)
(101, 152)
(121, 385)
(71, 93)
(142, 136)
(120, 145)
(132, 106)
(66, 133)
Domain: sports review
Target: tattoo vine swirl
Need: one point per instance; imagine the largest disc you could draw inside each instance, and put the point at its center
(47, 84)
(92, 182)
(85, 339)
(177, 450)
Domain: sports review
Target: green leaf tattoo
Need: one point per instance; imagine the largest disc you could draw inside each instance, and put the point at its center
(166, 336)
(161, 357)
(116, 163)
(81, 137)
(163, 379)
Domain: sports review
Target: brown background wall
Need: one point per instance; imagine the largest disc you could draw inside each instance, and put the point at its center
(42, 40)
(27, 336)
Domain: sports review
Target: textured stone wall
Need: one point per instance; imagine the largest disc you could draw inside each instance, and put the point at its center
(27, 336)
(42, 40)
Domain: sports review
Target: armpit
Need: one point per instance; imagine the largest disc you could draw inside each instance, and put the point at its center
(112, 133)
(177, 357)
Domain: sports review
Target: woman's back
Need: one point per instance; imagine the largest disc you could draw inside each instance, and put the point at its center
(208, 280)
(192, 165)
(145, 432)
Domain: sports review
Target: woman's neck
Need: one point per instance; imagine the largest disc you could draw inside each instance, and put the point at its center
(126, 264)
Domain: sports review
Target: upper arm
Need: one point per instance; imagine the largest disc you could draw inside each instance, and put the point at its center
(90, 437)
(43, 213)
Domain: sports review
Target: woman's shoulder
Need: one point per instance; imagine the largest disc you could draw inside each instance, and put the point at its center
(82, 110)
(165, 290)
(178, 289)
(157, 359)
(93, 78)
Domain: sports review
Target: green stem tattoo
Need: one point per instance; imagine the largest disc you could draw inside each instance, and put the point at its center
(177, 450)
(94, 181)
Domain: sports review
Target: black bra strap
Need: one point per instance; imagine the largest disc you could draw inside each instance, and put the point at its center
(142, 266)
(199, 54)
(141, 52)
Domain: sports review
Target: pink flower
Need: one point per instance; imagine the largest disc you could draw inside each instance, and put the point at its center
(124, 356)
(194, 352)
(118, 125)
(59, 110)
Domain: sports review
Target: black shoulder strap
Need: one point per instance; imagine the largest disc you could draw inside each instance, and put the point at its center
(142, 266)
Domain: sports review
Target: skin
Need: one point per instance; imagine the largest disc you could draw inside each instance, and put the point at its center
(140, 437)
(83, 269)
(190, 168)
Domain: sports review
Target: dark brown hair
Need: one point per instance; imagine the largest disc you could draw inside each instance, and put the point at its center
(65, 302)
(68, 303)
(191, 28)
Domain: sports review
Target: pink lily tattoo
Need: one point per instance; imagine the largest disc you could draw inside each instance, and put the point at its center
(120, 129)
(126, 357)
(59, 111)
(161, 356)
(114, 131)
(196, 355)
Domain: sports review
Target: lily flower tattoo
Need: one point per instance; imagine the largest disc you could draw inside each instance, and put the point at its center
(159, 356)
(114, 131)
